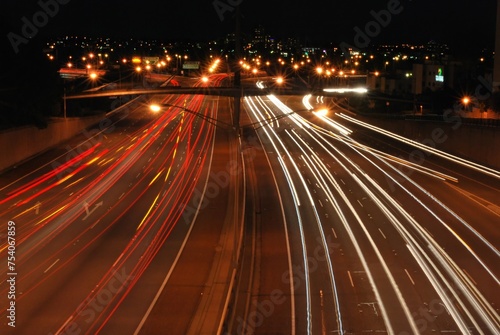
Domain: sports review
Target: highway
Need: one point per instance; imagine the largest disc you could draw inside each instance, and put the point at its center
(92, 217)
(306, 221)
(378, 243)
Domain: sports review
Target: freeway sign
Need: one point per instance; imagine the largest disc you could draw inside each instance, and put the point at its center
(191, 65)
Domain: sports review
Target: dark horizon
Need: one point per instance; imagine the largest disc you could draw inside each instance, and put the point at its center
(466, 27)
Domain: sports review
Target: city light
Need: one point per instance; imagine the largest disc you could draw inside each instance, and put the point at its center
(321, 112)
(155, 108)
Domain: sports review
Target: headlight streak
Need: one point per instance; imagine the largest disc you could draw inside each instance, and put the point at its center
(456, 216)
(295, 198)
(299, 121)
(269, 111)
(419, 168)
(340, 128)
(491, 324)
(421, 257)
(346, 131)
(338, 210)
(286, 110)
(350, 142)
(456, 159)
(481, 304)
(331, 273)
(384, 265)
(359, 90)
(426, 237)
(306, 103)
(406, 235)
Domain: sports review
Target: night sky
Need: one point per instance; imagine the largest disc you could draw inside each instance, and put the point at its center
(465, 25)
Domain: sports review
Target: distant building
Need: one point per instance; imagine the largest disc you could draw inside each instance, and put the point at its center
(428, 77)
(423, 77)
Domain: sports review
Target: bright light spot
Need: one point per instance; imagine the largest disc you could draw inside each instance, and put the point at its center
(466, 100)
(345, 90)
(93, 76)
(204, 79)
(279, 80)
(155, 108)
(321, 112)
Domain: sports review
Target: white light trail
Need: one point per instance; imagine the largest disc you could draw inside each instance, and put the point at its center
(296, 200)
(360, 90)
(453, 158)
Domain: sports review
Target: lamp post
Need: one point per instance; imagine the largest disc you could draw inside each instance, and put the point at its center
(466, 102)
(64, 101)
(156, 108)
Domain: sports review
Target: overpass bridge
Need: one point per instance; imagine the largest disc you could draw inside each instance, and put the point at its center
(221, 91)
(235, 92)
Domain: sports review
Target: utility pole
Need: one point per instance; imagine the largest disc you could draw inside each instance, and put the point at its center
(64, 101)
(237, 72)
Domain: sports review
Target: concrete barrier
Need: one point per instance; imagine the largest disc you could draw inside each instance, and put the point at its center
(20, 144)
(480, 144)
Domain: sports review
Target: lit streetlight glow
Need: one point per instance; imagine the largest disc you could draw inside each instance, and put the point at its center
(155, 108)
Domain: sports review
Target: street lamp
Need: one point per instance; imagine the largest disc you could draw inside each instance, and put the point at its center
(156, 108)
(466, 102)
